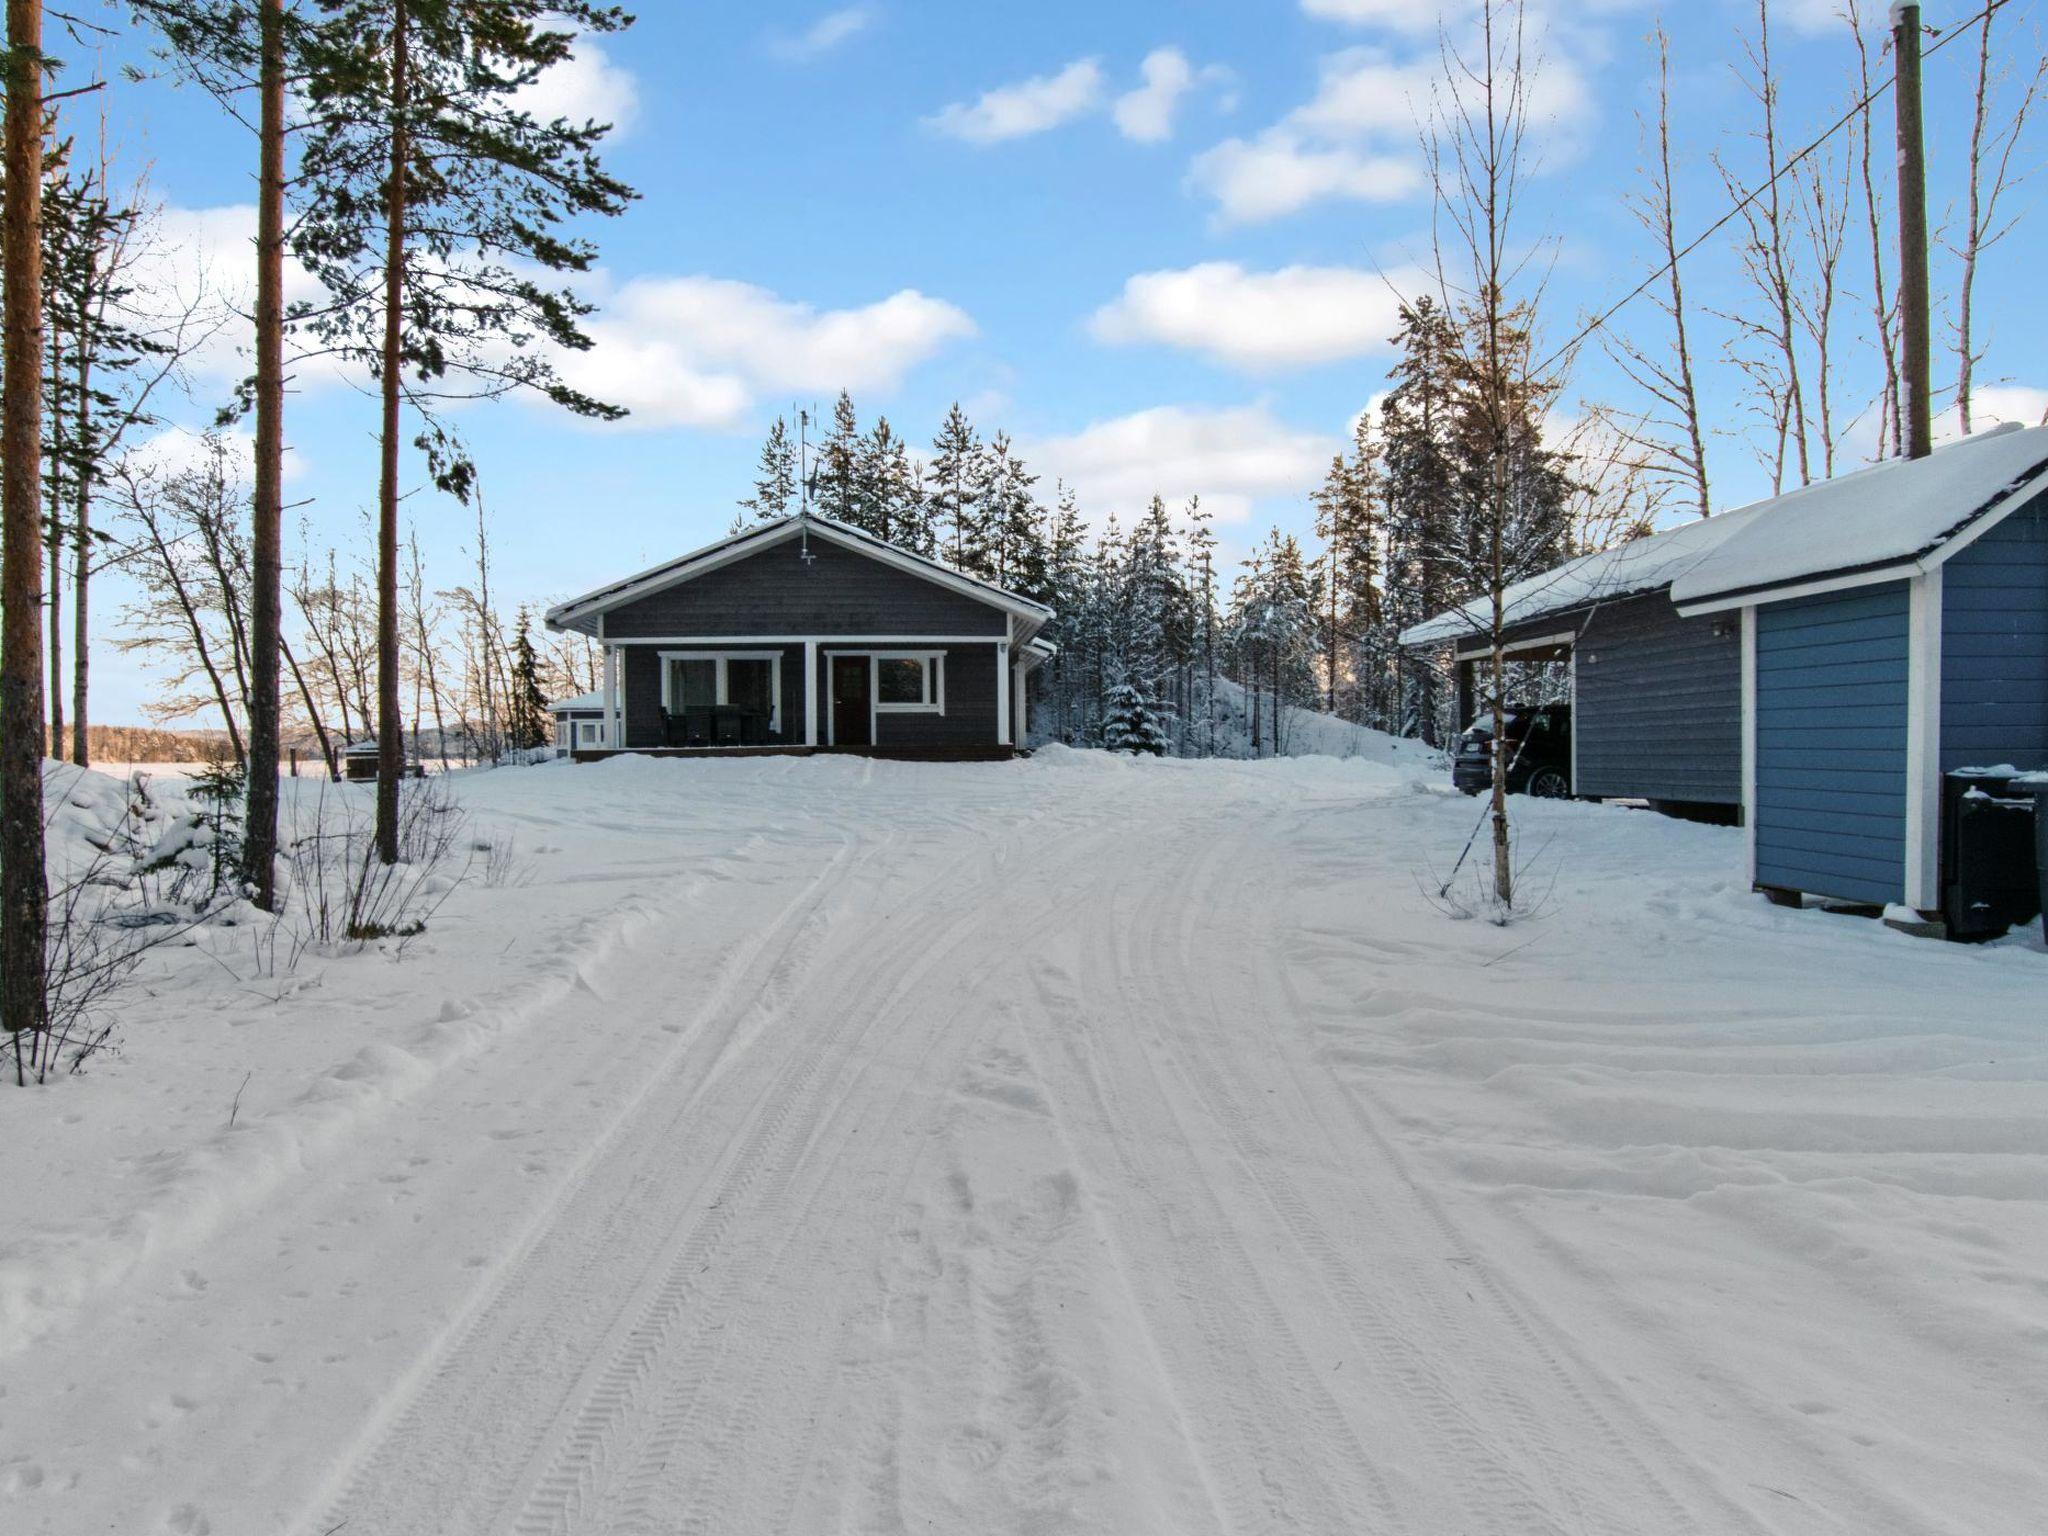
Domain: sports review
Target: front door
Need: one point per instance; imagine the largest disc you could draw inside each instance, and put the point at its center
(852, 724)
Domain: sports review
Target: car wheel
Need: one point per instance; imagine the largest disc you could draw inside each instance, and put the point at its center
(1550, 784)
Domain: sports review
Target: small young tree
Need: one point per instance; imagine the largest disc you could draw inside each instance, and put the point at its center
(436, 202)
(1130, 722)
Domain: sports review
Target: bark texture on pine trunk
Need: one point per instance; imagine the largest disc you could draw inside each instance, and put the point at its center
(390, 741)
(259, 842)
(24, 893)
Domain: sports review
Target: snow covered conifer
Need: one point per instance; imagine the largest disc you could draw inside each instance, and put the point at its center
(1130, 723)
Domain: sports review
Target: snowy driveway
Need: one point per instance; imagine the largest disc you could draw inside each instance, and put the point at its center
(1082, 1146)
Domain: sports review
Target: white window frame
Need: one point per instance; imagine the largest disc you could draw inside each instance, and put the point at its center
(934, 701)
(589, 733)
(723, 697)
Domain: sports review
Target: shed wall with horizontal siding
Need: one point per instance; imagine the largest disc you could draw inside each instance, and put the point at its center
(776, 592)
(1994, 646)
(1657, 709)
(1831, 699)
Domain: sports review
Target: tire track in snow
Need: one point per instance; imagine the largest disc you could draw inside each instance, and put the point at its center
(659, 1486)
(1543, 1344)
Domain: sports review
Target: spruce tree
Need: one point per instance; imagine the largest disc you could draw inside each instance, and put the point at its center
(1009, 519)
(527, 721)
(1420, 494)
(435, 213)
(1130, 723)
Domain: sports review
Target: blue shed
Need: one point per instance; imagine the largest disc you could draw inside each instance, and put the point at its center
(1894, 628)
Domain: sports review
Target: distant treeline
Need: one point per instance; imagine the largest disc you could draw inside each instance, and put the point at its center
(146, 744)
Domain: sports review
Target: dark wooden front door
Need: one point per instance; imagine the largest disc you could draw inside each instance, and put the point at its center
(851, 721)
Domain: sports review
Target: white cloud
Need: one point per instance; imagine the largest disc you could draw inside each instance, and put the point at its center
(698, 351)
(1028, 107)
(1359, 136)
(1146, 114)
(822, 35)
(1279, 173)
(1292, 317)
(1230, 457)
(1994, 404)
(585, 87)
(1401, 15)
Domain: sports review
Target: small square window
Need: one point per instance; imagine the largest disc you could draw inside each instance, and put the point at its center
(903, 680)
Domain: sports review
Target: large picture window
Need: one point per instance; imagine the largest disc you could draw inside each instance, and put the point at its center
(743, 680)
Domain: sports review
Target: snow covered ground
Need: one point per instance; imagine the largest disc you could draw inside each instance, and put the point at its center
(1071, 1145)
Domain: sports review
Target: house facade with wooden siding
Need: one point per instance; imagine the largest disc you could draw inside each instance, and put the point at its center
(1894, 629)
(1656, 697)
(806, 635)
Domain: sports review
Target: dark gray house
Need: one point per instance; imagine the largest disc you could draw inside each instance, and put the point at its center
(803, 634)
(1893, 628)
(1656, 697)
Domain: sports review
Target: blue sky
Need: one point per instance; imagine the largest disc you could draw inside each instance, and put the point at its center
(1155, 242)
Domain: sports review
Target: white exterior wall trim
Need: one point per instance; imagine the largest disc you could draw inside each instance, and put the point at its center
(1923, 743)
(1749, 738)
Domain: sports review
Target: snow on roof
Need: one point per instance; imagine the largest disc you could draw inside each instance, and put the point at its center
(1882, 521)
(582, 701)
(1640, 565)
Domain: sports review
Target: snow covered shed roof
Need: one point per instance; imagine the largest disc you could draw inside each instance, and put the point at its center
(583, 703)
(1641, 565)
(1892, 520)
(581, 613)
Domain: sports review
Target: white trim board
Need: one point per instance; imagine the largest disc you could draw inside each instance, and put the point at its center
(1749, 737)
(1922, 883)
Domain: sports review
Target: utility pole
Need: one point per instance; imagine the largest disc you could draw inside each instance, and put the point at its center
(1918, 407)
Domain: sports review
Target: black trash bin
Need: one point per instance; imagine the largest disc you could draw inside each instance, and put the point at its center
(1989, 875)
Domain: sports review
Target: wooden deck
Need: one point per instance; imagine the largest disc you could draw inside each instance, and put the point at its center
(942, 754)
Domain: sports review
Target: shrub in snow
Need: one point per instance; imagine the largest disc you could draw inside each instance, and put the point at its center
(1132, 724)
(344, 896)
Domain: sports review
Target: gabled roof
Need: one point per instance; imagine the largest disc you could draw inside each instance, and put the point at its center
(1641, 565)
(1892, 520)
(581, 613)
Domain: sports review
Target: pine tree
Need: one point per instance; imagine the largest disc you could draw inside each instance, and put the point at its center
(1419, 491)
(1009, 520)
(24, 892)
(435, 205)
(775, 480)
(887, 489)
(527, 722)
(838, 484)
(954, 491)
(228, 46)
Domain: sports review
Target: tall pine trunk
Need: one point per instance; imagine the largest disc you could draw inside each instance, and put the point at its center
(24, 892)
(259, 840)
(390, 743)
(81, 557)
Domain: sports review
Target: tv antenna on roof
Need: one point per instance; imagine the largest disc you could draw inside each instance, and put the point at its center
(806, 480)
